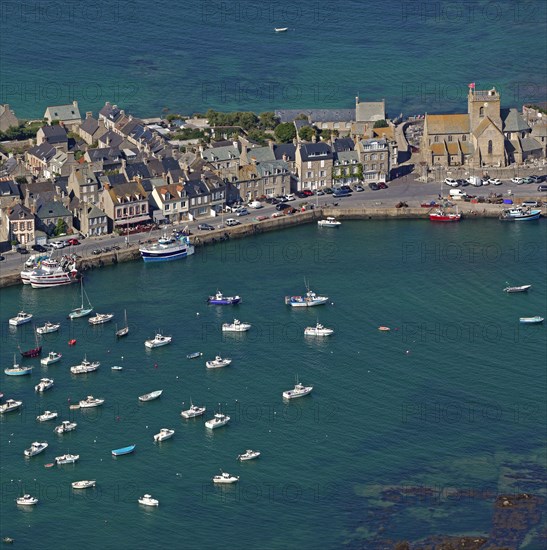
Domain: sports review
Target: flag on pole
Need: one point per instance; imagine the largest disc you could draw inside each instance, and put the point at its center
(472, 86)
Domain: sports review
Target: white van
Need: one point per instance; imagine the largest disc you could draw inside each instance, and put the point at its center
(255, 204)
(475, 180)
(457, 194)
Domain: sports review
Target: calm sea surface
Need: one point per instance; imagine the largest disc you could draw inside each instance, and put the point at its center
(189, 56)
(451, 399)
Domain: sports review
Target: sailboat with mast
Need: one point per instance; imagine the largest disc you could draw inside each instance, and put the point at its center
(33, 352)
(81, 311)
(125, 329)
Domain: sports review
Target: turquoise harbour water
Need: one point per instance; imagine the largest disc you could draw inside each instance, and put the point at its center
(189, 56)
(452, 399)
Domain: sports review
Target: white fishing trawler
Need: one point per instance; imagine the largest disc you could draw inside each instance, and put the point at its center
(236, 326)
(51, 358)
(43, 385)
(158, 340)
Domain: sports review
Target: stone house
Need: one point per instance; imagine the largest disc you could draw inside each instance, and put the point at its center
(206, 193)
(110, 115)
(108, 158)
(125, 204)
(54, 135)
(69, 115)
(7, 118)
(9, 193)
(171, 201)
(224, 160)
(83, 185)
(314, 163)
(347, 168)
(260, 179)
(91, 129)
(374, 156)
(38, 157)
(92, 220)
(20, 224)
(48, 215)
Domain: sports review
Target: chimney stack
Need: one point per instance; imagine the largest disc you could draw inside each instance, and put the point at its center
(88, 114)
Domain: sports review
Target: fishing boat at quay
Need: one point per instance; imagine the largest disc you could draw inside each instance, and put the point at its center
(166, 249)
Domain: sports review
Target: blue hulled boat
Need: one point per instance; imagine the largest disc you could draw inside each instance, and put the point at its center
(165, 249)
(220, 300)
(520, 214)
(123, 450)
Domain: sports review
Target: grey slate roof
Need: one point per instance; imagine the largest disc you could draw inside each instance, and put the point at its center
(110, 112)
(287, 149)
(90, 125)
(55, 134)
(104, 154)
(20, 212)
(63, 112)
(9, 188)
(111, 139)
(343, 144)
(44, 152)
(352, 157)
(271, 168)
(513, 121)
(261, 154)
(529, 145)
(134, 169)
(52, 209)
(220, 154)
(315, 151)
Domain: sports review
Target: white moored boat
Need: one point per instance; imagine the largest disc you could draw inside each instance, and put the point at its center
(163, 434)
(101, 318)
(51, 358)
(218, 362)
(91, 401)
(36, 448)
(299, 390)
(67, 459)
(318, 330)
(236, 326)
(48, 327)
(85, 366)
(532, 320)
(329, 222)
(26, 500)
(158, 340)
(20, 319)
(147, 500)
(44, 384)
(52, 273)
(249, 454)
(511, 289)
(166, 248)
(84, 484)
(150, 396)
(10, 405)
(193, 411)
(309, 300)
(47, 415)
(218, 421)
(65, 426)
(225, 477)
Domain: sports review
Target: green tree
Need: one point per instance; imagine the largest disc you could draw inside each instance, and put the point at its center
(258, 136)
(380, 124)
(306, 133)
(285, 132)
(268, 120)
(302, 116)
(61, 227)
(20, 180)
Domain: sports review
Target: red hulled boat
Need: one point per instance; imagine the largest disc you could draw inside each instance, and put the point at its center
(441, 215)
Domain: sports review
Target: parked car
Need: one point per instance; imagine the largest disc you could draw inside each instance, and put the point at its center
(340, 192)
(290, 197)
(73, 242)
(359, 188)
(495, 181)
(205, 227)
(242, 212)
(57, 244)
(328, 190)
(255, 204)
(474, 180)
(528, 180)
(282, 206)
(2, 258)
(451, 182)
(300, 195)
(320, 192)
(486, 181)
(22, 250)
(462, 183)
(536, 179)
(373, 186)
(382, 185)
(517, 180)
(542, 188)
(230, 222)
(532, 204)
(39, 248)
(307, 192)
